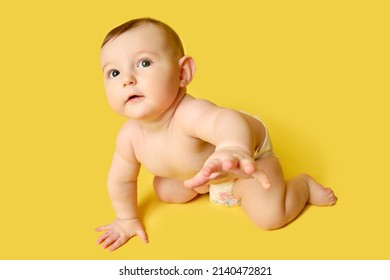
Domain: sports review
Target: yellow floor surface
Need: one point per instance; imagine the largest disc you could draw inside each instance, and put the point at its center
(316, 72)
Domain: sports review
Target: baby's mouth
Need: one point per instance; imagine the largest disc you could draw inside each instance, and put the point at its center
(133, 98)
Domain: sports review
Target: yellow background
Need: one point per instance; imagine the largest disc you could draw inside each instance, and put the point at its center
(317, 72)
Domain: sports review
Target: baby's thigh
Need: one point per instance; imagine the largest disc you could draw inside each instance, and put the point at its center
(172, 190)
(254, 197)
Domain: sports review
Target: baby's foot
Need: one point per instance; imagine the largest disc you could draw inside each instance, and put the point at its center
(320, 195)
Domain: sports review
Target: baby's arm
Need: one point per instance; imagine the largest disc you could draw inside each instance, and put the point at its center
(233, 138)
(122, 189)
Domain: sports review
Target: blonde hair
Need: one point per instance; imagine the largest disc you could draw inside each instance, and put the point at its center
(171, 35)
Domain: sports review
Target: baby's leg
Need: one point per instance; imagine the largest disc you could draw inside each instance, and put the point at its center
(275, 207)
(174, 191)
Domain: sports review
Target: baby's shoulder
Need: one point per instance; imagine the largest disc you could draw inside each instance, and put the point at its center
(127, 133)
(191, 108)
(129, 128)
(192, 113)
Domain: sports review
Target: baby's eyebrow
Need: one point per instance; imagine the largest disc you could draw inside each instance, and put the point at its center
(146, 52)
(105, 65)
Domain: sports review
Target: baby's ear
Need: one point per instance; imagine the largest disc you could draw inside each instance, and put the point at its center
(187, 70)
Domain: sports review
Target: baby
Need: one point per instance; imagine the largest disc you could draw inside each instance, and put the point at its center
(191, 146)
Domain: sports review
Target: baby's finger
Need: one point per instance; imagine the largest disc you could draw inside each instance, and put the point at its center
(103, 237)
(247, 166)
(103, 228)
(196, 181)
(142, 234)
(118, 243)
(110, 240)
(262, 178)
(229, 164)
(213, 166)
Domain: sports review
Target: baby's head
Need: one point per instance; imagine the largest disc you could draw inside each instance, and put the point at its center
(144, 68)
(171, 36)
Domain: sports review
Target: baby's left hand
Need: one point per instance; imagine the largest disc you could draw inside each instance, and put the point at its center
(229, 160)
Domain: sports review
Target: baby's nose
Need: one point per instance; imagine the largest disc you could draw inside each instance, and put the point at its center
(129, 81)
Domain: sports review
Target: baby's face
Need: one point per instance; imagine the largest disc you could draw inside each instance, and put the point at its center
(141, 73)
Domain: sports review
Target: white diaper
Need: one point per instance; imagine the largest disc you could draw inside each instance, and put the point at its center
(222, 194)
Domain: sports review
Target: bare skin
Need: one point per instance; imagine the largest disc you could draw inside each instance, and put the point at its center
(215, 144)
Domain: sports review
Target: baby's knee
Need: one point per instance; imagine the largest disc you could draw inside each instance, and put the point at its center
(168, 193)
(162, 194)
(270, 222)
(268, 225)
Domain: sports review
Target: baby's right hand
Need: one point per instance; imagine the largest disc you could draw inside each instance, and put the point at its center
(232, 161)
(119, 232)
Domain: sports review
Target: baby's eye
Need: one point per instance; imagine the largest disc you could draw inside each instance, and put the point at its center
(144, 63)
(113, 73)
